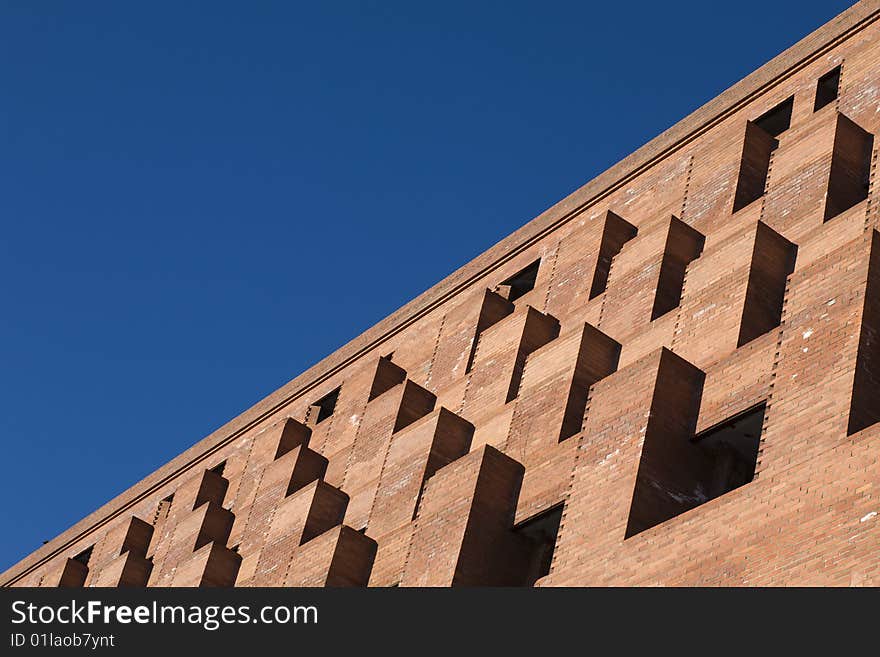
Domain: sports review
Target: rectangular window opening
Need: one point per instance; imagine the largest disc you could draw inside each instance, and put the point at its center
(827, 89)
(541, 533)
(325, 406)
(777, 120)
(520, 283)
(732, 447)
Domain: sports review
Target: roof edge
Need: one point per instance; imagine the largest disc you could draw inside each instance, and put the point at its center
(784, 65)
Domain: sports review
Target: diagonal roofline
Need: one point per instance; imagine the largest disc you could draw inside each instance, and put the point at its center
(756, 84)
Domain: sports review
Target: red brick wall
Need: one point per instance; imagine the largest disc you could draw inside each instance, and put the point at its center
(493, 411)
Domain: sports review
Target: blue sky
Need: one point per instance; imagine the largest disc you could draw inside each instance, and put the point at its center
(198, 201)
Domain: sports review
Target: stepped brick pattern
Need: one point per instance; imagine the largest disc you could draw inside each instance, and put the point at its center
(672, 377)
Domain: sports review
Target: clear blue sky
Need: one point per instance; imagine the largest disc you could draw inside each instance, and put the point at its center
(200, 200)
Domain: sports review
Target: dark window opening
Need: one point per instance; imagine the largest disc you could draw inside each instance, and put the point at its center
(675, 478)
(616, 233)
(324, 407)
(520, 283)
(683, 245)
(850, 175)
(540, 533)
(733, 450)
(827, 89)
(777, 120)
(219, 468)
(84, 556)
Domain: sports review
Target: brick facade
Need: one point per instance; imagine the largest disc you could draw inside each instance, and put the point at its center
(670, 377)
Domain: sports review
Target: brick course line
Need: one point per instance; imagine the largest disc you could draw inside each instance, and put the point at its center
(552, 275)
(872, 189)
(436, 347)
(647, 193)
(687, 186)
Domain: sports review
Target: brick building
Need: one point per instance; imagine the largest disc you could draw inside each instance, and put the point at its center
(669, 377)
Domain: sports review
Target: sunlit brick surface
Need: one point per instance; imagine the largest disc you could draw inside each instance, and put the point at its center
(687, 393)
